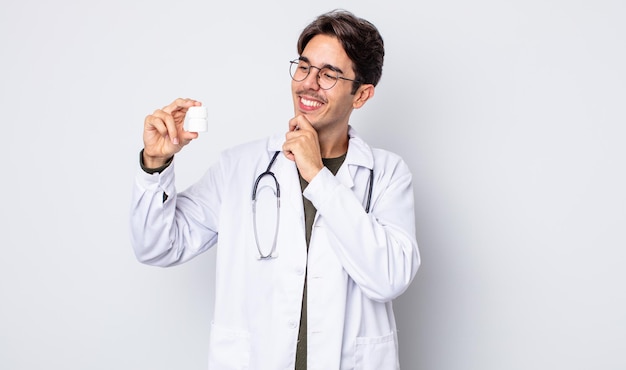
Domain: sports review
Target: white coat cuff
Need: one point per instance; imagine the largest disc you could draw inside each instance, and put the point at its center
(163, 181)
(322, 187)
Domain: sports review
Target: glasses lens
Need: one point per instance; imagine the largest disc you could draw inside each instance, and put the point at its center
(327, 78)
(299, 70)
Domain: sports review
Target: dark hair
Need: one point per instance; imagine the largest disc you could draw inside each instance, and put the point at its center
(360, 40)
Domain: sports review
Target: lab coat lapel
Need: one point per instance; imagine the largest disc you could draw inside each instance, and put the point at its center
(287, 175)
(359, 155)
(291, 193)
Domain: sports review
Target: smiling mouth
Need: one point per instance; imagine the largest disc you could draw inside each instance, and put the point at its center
(308, 103)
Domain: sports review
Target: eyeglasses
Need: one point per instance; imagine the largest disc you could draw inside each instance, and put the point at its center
(327, 77)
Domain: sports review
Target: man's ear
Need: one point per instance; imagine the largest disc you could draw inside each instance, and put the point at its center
(364, 93)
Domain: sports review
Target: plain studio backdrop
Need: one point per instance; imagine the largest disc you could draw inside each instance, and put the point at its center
(510, 114)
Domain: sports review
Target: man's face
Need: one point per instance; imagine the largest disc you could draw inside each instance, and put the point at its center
(325, 109)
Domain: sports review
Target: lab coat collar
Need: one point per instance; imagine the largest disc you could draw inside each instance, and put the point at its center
(359, 153)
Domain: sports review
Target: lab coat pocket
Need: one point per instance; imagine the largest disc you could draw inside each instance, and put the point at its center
(377, 353)
(229, 349)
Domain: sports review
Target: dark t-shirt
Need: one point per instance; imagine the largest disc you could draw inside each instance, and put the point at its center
(333, 165)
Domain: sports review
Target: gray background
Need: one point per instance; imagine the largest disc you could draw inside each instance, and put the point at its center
(511, 115)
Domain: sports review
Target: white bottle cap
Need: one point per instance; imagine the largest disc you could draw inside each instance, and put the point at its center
(197, 119)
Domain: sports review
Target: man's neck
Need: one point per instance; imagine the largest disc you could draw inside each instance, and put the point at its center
(333, 144)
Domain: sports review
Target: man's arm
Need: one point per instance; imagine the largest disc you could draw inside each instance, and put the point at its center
(168, 228)
(377, 249)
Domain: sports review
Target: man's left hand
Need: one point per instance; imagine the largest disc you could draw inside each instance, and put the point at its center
(302, 146)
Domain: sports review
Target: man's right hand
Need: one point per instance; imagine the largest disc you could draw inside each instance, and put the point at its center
(164, 134)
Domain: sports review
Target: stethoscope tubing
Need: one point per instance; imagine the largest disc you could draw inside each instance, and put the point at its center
(268, 172)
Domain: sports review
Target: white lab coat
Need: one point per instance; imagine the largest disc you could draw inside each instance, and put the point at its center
(356, 265)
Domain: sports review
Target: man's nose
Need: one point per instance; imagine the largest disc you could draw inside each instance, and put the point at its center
(312, 80)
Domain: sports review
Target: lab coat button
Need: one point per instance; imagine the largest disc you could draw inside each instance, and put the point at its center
(293, 324)
(299, 271)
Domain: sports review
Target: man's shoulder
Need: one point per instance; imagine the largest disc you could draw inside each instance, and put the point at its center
(387, 159)
(368, 155)
(386, 154)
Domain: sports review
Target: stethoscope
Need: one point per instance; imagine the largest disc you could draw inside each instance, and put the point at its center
(268, 172)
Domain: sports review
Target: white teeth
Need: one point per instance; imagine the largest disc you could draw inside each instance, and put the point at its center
(310, 103)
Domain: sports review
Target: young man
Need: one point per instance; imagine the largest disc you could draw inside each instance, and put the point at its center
(315, 229)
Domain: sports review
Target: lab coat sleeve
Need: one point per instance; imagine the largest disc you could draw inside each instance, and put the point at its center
(170, 232)
(377, 250)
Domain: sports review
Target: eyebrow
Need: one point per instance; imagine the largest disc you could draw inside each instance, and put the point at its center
(329, 66)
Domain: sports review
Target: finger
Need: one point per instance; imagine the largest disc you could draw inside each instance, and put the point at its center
(302, 150)
(295, 143)
(293, 124)
(302, 136)
(180, 104)
(288, 154)
(299, 122)
(155, 123)
(187, 136)
(170, 125)
(178, 109)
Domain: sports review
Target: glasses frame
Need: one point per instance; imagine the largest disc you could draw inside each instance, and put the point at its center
(297, 61)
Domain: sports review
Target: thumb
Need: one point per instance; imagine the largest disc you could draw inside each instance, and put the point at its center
(300, 122)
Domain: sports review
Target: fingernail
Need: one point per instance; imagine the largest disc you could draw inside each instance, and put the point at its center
(175, 141)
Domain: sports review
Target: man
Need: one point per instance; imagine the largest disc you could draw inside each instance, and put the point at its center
(315, 229)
